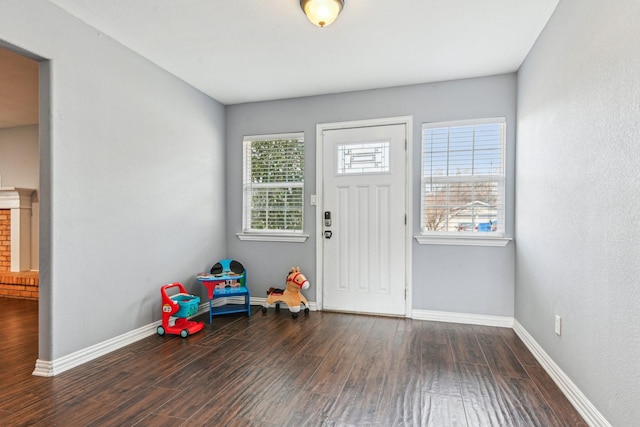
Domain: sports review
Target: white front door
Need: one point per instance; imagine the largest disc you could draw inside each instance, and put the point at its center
(364, 194)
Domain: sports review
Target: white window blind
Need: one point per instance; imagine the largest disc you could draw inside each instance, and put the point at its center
(463, 176)
(273, 181)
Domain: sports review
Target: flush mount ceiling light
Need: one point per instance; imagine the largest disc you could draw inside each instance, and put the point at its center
(322, 12)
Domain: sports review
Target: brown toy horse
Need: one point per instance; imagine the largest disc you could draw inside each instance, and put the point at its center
(292, 295)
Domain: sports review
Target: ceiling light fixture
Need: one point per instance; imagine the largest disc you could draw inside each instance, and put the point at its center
(322, 12)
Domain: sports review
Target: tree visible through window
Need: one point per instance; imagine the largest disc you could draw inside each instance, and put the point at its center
(463, 177)
(273, 177)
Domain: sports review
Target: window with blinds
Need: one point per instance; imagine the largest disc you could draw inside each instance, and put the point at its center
(463, 176)
(273, 182)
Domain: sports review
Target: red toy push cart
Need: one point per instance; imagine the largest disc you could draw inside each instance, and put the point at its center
(179, 306)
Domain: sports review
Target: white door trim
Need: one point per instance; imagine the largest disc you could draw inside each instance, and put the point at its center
(320, 128)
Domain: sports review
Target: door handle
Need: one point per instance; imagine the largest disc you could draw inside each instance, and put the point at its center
(328, 234)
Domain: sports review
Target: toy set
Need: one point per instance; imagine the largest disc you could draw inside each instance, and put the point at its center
(291, 295)
(226, 279)
(180, 306)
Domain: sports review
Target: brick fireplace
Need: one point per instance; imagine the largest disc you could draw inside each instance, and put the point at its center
(23, 285)
(16, 278)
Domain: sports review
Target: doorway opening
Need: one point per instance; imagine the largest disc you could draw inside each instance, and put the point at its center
(24, 166)
(19, 175)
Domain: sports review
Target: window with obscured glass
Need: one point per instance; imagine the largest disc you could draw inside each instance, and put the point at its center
(362, 158)
(273, 182)
(463, 178)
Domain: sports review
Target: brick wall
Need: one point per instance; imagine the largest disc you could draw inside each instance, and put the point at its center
(17, 285)
(13, 285)
(5, 239)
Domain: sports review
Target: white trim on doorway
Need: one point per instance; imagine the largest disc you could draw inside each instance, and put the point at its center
(407, 121)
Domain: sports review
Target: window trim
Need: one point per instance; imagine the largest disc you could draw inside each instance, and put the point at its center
(431, 239)
(273, 237)
(249, 234)
(496, 238)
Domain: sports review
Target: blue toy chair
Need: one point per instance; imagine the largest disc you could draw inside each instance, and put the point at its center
(228, 279)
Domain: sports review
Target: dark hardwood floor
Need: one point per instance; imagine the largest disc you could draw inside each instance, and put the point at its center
(327, 369)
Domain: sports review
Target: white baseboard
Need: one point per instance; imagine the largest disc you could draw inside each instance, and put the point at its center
(586, 409)
(46, 368)
(49, 368)
(468, 319)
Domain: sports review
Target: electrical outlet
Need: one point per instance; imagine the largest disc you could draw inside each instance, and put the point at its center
(558, 325)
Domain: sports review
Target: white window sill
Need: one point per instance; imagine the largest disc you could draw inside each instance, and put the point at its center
(273, 237)
(463, 240)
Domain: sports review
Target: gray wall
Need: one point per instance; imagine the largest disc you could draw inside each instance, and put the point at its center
(19, 158)
(132, 180)
(460, 279)
(20, 167)
(578, 181)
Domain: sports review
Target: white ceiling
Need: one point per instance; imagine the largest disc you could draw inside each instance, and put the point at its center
(252, 50)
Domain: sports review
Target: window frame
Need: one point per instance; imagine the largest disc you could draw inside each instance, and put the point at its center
(474, 238)
(274, 235)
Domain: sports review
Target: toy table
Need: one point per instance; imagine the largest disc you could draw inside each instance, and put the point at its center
(216, 289)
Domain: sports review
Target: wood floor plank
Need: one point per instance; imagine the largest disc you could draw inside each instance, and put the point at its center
(407, 351)
(482, 397)
(321, 342)
(518, 348)
(165, 363)
(75, 413)
(134, 409)
(42, 395)
(501, 359)
(434, 333)
(216, 377)
(386, 327)
(182, 379)
(310, 409)
(330, 376)
(154, 420)
(123, 386)
(486, 330)
(299, 368)
(525, 404)
(564, 411)
(401, 401)
(246, 398)
(187, 402)
(466, 348)
(43, 412)
(439, 372)
(274, 408)
(280, 343)
(360, 395)
(440, 410)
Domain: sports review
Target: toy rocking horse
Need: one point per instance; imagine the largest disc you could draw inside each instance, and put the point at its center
(292, 295)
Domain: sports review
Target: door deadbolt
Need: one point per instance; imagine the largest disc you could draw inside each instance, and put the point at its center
(328, 234)
(327, 219)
